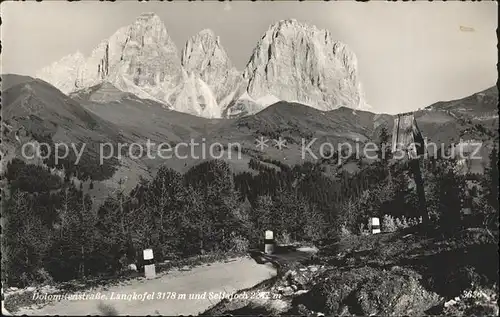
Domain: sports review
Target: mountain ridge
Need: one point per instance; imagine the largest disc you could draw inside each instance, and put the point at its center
(329, 67)
(142, 59)
(103, 113)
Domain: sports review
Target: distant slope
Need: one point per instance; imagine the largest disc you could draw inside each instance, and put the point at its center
(35, 110)
(471, 118)
(45, 111)
(9, 80)
(141, 118)
(299, 125)
(478, 105)
(294, 119)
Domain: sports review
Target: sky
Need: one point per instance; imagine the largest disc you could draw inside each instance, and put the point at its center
(410, 54)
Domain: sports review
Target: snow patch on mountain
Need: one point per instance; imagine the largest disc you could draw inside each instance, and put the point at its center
(194, 96)
(242, 106)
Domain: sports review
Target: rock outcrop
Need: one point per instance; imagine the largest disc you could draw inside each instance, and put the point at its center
(300, 63)
(194, 96)
(204, 56)
(293, 61)
(64, 73)
(140, 58)
(368, 291)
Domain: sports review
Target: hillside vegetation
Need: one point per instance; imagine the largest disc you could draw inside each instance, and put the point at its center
(57, 229)
(50, 225)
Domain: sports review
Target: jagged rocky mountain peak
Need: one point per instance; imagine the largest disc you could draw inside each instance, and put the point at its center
(290, 25)
(64, 73)
(298, 62)
(206, 37)
(149, 26)
(149, 16)
(204, 47)
(205, 56)
(293, 61)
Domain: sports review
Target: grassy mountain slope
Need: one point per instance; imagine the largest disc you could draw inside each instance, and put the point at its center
(105, 114)
(480, 105)
(44, 111)
(35, 111)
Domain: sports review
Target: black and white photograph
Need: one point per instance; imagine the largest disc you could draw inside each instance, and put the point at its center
(249, 158)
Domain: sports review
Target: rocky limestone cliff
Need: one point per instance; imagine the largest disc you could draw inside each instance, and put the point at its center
(300, 63)
(63, 74)
(149, 59)
(140, 58)
(204, 56)
(292, 61)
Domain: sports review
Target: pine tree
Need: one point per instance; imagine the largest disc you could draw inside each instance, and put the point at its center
(25, 240)
(385, 152)
(263, 217)
(451, 189)
(166, 196)
(196, 223)
(215, 180)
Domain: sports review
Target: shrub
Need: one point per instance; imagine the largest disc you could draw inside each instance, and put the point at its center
(401, 223)
(414, 221)
(284, 238)
(344, 232)
(404, 223)
(393, 224)
(239, 244)
(43, 277)
(388, 224)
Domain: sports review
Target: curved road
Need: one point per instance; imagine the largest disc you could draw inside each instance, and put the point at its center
(205, 281)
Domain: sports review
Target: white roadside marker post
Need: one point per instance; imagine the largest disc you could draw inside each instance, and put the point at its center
(149, 265)
(375, 224)
(269, 242)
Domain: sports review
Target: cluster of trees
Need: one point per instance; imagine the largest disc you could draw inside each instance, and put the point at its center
(89, 166)
(450, 195)
(54, 233)
(44, 219)
(51, 230)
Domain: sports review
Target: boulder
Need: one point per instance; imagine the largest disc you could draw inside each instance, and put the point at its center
(371, 291)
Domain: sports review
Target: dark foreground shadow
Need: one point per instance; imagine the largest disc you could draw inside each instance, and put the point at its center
(282, 256)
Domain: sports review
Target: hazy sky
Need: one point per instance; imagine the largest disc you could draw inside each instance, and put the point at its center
(409, 54)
